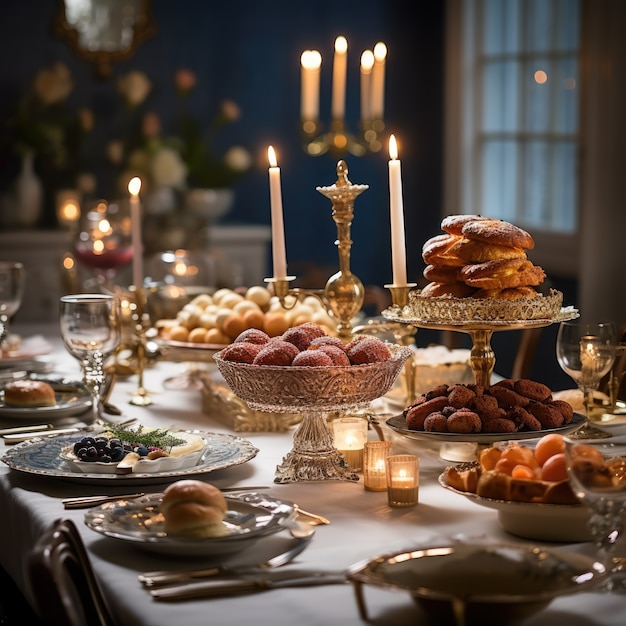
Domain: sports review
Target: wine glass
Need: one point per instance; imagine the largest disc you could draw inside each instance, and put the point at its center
(598, 478)
(12, 278)
(104, 240)
(91, 331)
(586, 352)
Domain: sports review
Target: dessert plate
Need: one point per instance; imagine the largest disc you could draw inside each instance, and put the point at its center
(534, 520)
(398, 424)
(71, 399)
(42, 456)
(250, 517)
(30, 347)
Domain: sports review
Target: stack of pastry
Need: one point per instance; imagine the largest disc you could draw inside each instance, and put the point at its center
(480, 257)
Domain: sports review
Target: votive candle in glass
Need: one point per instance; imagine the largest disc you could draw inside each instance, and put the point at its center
(374, 468)
(350, 435)
(402, 480)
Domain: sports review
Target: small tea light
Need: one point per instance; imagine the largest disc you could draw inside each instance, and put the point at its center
(350, 435)
(402, 480)
(374, 468)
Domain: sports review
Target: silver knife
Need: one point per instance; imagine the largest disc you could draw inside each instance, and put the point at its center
(26, 429)
(222, 588)
(18, 438)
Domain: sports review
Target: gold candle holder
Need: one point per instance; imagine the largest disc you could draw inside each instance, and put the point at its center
(338, 141)
(344, 293)
(374, 468)
(402, 480)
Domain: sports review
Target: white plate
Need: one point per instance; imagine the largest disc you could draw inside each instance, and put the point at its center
(29, 348)
(42, 456)
(543, 522)
(71, 399)
(398, 424)
(250, 517)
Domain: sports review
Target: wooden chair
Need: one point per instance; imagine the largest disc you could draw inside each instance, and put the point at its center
(62, 580)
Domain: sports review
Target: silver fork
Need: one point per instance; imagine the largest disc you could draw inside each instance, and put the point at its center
(165, 577)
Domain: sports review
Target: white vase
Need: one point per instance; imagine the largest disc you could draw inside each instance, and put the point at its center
(28, 195)
(210, 204)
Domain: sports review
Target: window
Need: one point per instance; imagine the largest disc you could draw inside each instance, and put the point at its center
(513, 117)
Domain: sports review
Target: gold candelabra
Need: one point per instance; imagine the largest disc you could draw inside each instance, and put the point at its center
(338, 141)
(344, 293)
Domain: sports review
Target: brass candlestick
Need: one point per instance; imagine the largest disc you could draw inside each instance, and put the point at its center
(344, 293)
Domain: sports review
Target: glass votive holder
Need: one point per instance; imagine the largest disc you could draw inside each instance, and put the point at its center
(350, 435)
(402, 480)
(374, 468)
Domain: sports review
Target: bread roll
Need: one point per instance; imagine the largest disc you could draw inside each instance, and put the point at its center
(29, 394)
(192, 508)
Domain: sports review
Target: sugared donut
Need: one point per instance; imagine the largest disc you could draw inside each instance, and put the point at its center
(276, 352)
(312, 358)
(498, 232)
(253, 335)
(241, 352)
(302, 335)
(327, 340)
(337, 355)
(368, 350)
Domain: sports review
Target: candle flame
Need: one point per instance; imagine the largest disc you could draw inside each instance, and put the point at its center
(311, 59)
(380, 51)
(271, 156)
(367, 61)
(393, 147)
(341, 44)
(134, 186)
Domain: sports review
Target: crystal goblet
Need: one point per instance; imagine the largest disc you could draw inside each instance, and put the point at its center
(598, 478)
(91, 331)
(12, 279)
(586, 352)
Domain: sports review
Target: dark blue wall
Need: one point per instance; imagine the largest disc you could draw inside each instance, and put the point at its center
(250, 52)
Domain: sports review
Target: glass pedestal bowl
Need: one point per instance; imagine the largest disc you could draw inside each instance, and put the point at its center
(313, 392)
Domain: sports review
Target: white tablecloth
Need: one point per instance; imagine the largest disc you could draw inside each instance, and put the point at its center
(363, 526)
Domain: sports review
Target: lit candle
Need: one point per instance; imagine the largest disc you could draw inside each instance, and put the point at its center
(588, 354)
(398, 250)
(278, 229)
(134, 186)
(402, 480)
(374, 469)
(367, 62)
(378, 81)
(340, 67)
(350, 435)
(311, 61)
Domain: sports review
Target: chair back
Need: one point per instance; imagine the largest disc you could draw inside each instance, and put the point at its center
(63, 583)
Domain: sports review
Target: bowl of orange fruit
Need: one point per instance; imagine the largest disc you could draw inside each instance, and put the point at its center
(527, 485)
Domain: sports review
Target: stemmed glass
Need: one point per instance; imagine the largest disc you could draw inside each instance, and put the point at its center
(11, 292)
(586, 352)
(103, 242)
(91, 331)
(598, 478)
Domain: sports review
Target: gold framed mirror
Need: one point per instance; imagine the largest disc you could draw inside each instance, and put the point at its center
(104, 31)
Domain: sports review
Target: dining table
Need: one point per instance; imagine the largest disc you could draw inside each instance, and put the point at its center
(362, 524)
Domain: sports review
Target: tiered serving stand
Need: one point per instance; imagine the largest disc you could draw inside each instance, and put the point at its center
(480, 319)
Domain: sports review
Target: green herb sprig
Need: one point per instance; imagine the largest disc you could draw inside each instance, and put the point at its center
(157, 438)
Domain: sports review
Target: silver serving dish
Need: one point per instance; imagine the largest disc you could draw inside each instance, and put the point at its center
(479, 584)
